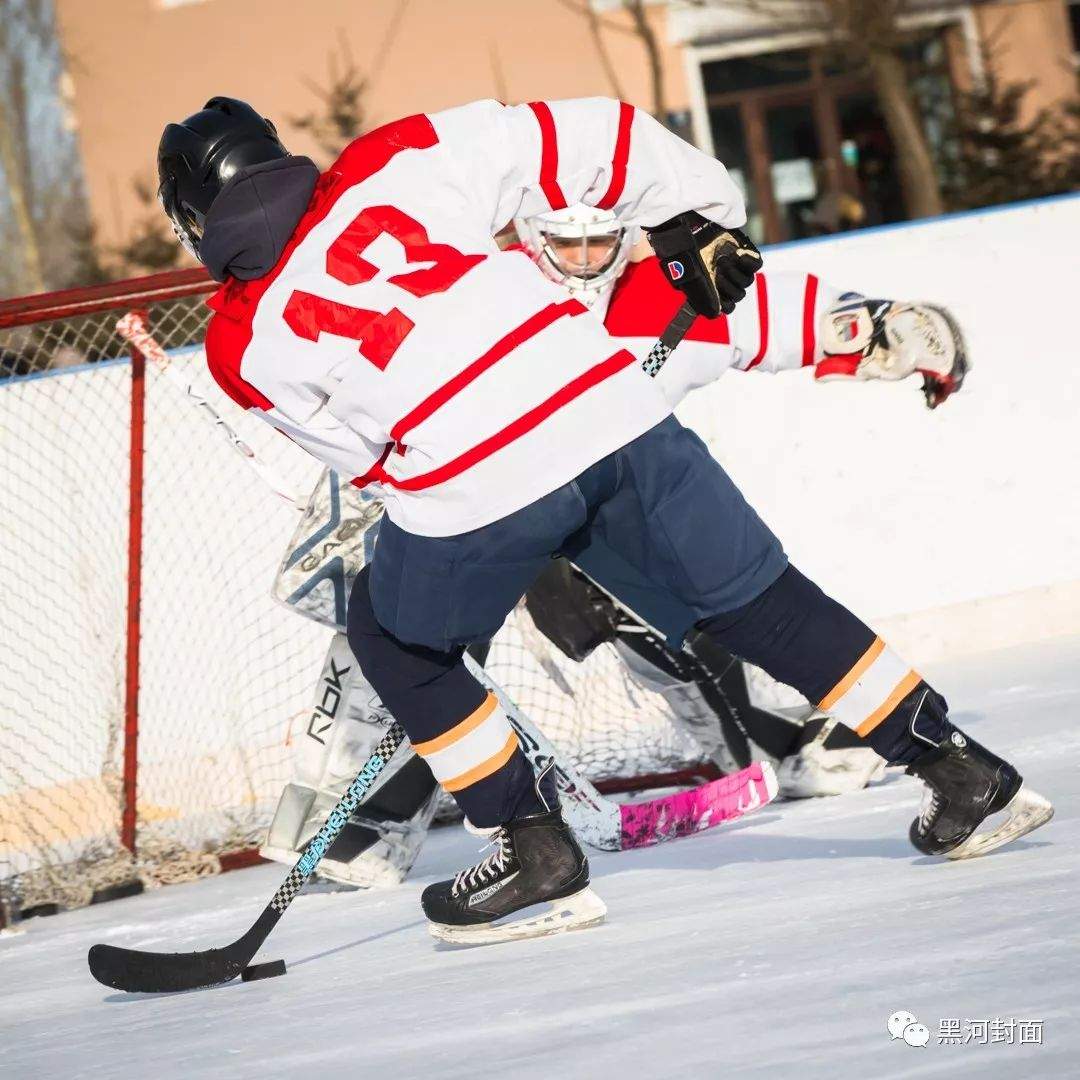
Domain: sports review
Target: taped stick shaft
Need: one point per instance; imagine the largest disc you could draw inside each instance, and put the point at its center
(133, 329)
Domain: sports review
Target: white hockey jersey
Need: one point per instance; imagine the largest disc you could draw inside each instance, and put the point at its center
(396, 343)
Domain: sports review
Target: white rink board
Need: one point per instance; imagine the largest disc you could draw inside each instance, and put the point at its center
(896, 509)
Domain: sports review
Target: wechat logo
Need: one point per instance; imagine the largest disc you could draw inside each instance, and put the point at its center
(906, 1026)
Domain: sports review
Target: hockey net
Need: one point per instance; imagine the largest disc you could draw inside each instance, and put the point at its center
(149, 685)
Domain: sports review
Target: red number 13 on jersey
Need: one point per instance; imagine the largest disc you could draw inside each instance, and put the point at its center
(379, 333)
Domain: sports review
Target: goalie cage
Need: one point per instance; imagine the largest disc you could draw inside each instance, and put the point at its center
(149, 685)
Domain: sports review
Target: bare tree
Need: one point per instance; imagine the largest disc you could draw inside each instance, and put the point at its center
(638, 26)
(44, 218)
(871, 33)
(21, 21)
(342, 115)
(644, 30)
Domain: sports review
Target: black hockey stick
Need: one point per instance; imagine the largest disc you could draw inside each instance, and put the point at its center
(669, 339)
(136, 971)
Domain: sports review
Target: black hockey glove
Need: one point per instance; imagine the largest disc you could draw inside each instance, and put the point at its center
(711, 264)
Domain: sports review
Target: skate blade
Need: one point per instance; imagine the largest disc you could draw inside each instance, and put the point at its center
(575, 912)
(1027, 810)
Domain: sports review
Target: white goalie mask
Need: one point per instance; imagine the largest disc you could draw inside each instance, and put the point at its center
(581, 248)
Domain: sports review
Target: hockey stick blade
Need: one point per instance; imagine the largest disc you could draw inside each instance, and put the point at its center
(697, 809)
(136, 971)
(607, 825)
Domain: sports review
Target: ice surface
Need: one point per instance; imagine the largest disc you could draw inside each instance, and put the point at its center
(779, 947)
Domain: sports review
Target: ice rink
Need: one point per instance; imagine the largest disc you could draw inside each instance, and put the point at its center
(778, 948)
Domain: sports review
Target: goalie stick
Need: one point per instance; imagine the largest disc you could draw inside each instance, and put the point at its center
(611, 826)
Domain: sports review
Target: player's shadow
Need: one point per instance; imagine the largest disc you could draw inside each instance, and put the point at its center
(745, 843)
(359, 941)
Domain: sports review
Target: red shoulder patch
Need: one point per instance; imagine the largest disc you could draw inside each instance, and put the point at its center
(227, 338)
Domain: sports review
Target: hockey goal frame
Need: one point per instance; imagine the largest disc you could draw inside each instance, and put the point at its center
(141, 294)
(119, 297)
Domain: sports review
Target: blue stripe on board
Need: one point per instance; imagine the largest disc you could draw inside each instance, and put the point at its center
(52, 372)
(97, 365)
(920, 223)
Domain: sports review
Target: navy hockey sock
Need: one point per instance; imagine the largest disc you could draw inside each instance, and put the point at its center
(804, 638)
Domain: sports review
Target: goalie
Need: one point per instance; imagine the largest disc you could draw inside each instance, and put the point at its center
(732, 711)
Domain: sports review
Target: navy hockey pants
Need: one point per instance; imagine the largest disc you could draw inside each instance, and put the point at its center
(667, 508)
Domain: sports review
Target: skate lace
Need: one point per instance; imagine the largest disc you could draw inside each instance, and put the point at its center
(928, 808)
(487, 869)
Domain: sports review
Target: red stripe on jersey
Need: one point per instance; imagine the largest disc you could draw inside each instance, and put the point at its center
(619, 158)
(375, 473)
(809, 323)
(229, 333)
(644, 302)
(521, 426)
(763, 321)
(503, 347)
(549, 156)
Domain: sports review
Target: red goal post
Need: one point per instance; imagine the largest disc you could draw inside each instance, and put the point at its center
(149, 685)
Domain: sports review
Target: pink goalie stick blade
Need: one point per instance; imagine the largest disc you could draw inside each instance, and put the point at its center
(699, 808)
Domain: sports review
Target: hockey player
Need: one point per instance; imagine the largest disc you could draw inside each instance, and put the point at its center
(367, 314)
(789, 322)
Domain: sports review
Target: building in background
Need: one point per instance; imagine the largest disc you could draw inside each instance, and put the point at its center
(804, 133)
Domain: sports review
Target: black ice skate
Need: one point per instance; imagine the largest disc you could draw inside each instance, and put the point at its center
(965, 785)
(536, 861)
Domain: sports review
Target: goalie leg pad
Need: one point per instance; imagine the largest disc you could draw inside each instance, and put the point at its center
(383, 837)
(831, 760)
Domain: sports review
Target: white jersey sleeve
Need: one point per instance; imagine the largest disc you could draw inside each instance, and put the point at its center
(528, 159)
(775, 328)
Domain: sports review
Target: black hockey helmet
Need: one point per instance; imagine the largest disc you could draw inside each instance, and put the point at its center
(198, 156)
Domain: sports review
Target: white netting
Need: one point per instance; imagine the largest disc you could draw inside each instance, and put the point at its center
(225, 673)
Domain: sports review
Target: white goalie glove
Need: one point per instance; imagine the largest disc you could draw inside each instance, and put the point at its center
(887, 339)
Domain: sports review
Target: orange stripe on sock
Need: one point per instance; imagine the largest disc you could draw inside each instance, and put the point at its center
(901, 691)
(853, 676)
(459, 731)
(485, 768)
